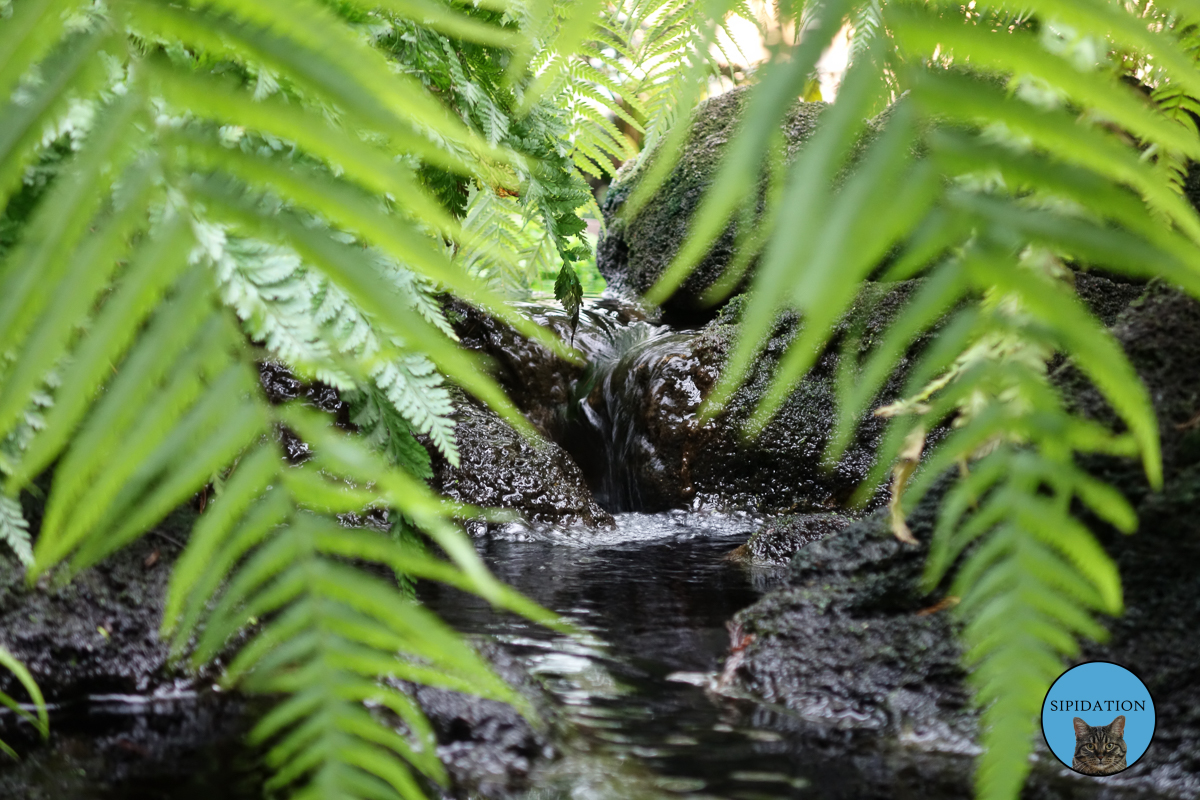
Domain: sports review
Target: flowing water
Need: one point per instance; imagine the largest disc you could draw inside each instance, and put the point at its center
(638, 689)
(635, 691)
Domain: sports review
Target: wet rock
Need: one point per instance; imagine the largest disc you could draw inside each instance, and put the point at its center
(281, 385)
(1158, 333)
(536, 379)
(636, 250)
(1106, 297)
(97, 634)
(854, 642)
(500, 468)
(660, 455)
(779, 540)
(1160, 564)
(488, 748)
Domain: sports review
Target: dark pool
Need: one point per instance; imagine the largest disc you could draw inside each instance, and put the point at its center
(654, 598)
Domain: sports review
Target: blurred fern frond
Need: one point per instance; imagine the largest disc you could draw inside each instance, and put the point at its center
(39, 717)
(1176, 101)
(186, 190)
(1018, 154)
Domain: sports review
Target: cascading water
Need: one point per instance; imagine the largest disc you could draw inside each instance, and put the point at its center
(642, 692)
(617, 407)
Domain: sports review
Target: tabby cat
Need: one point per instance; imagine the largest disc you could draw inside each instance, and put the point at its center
(1099, 750)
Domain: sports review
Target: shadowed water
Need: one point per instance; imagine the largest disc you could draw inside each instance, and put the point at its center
(653, 597)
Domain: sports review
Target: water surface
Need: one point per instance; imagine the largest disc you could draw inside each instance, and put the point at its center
(654, 597)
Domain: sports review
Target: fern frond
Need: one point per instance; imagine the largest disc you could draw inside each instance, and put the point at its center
(40, 718)
(252, 170)
(988, 197)
(14, 530)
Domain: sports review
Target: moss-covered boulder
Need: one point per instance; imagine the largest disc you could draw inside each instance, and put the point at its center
(636, 249)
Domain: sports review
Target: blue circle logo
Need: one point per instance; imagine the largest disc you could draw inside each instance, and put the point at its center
(1098, 718)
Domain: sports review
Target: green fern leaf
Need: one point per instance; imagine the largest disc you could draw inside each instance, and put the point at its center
(14, 530)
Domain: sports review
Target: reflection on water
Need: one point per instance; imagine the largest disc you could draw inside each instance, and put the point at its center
(653, 597)
(171, 746)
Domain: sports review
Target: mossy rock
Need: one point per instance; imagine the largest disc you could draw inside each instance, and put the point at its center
(637, 249)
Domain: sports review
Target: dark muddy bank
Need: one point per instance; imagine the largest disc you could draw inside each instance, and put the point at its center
(854, 641)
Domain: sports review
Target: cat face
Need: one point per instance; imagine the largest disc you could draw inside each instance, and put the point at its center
(1099, 750)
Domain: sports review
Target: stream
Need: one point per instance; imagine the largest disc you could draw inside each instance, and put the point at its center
(654, 597)
(637, 714)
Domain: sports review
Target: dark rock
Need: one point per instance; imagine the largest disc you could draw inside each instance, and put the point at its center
(636, 250)
(1160, 563)
(629, 419)
(500, 468)
(855, 642)
(1158, 333)
(1106, 297)
(661, 455)
(281, 385)
(779, 540)
(97, 634)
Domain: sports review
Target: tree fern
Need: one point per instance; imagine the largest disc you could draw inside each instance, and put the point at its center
(600, 75)
(1177, 102)
(244, 179)
(333, 630)
(307, 322)
(992, 196)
